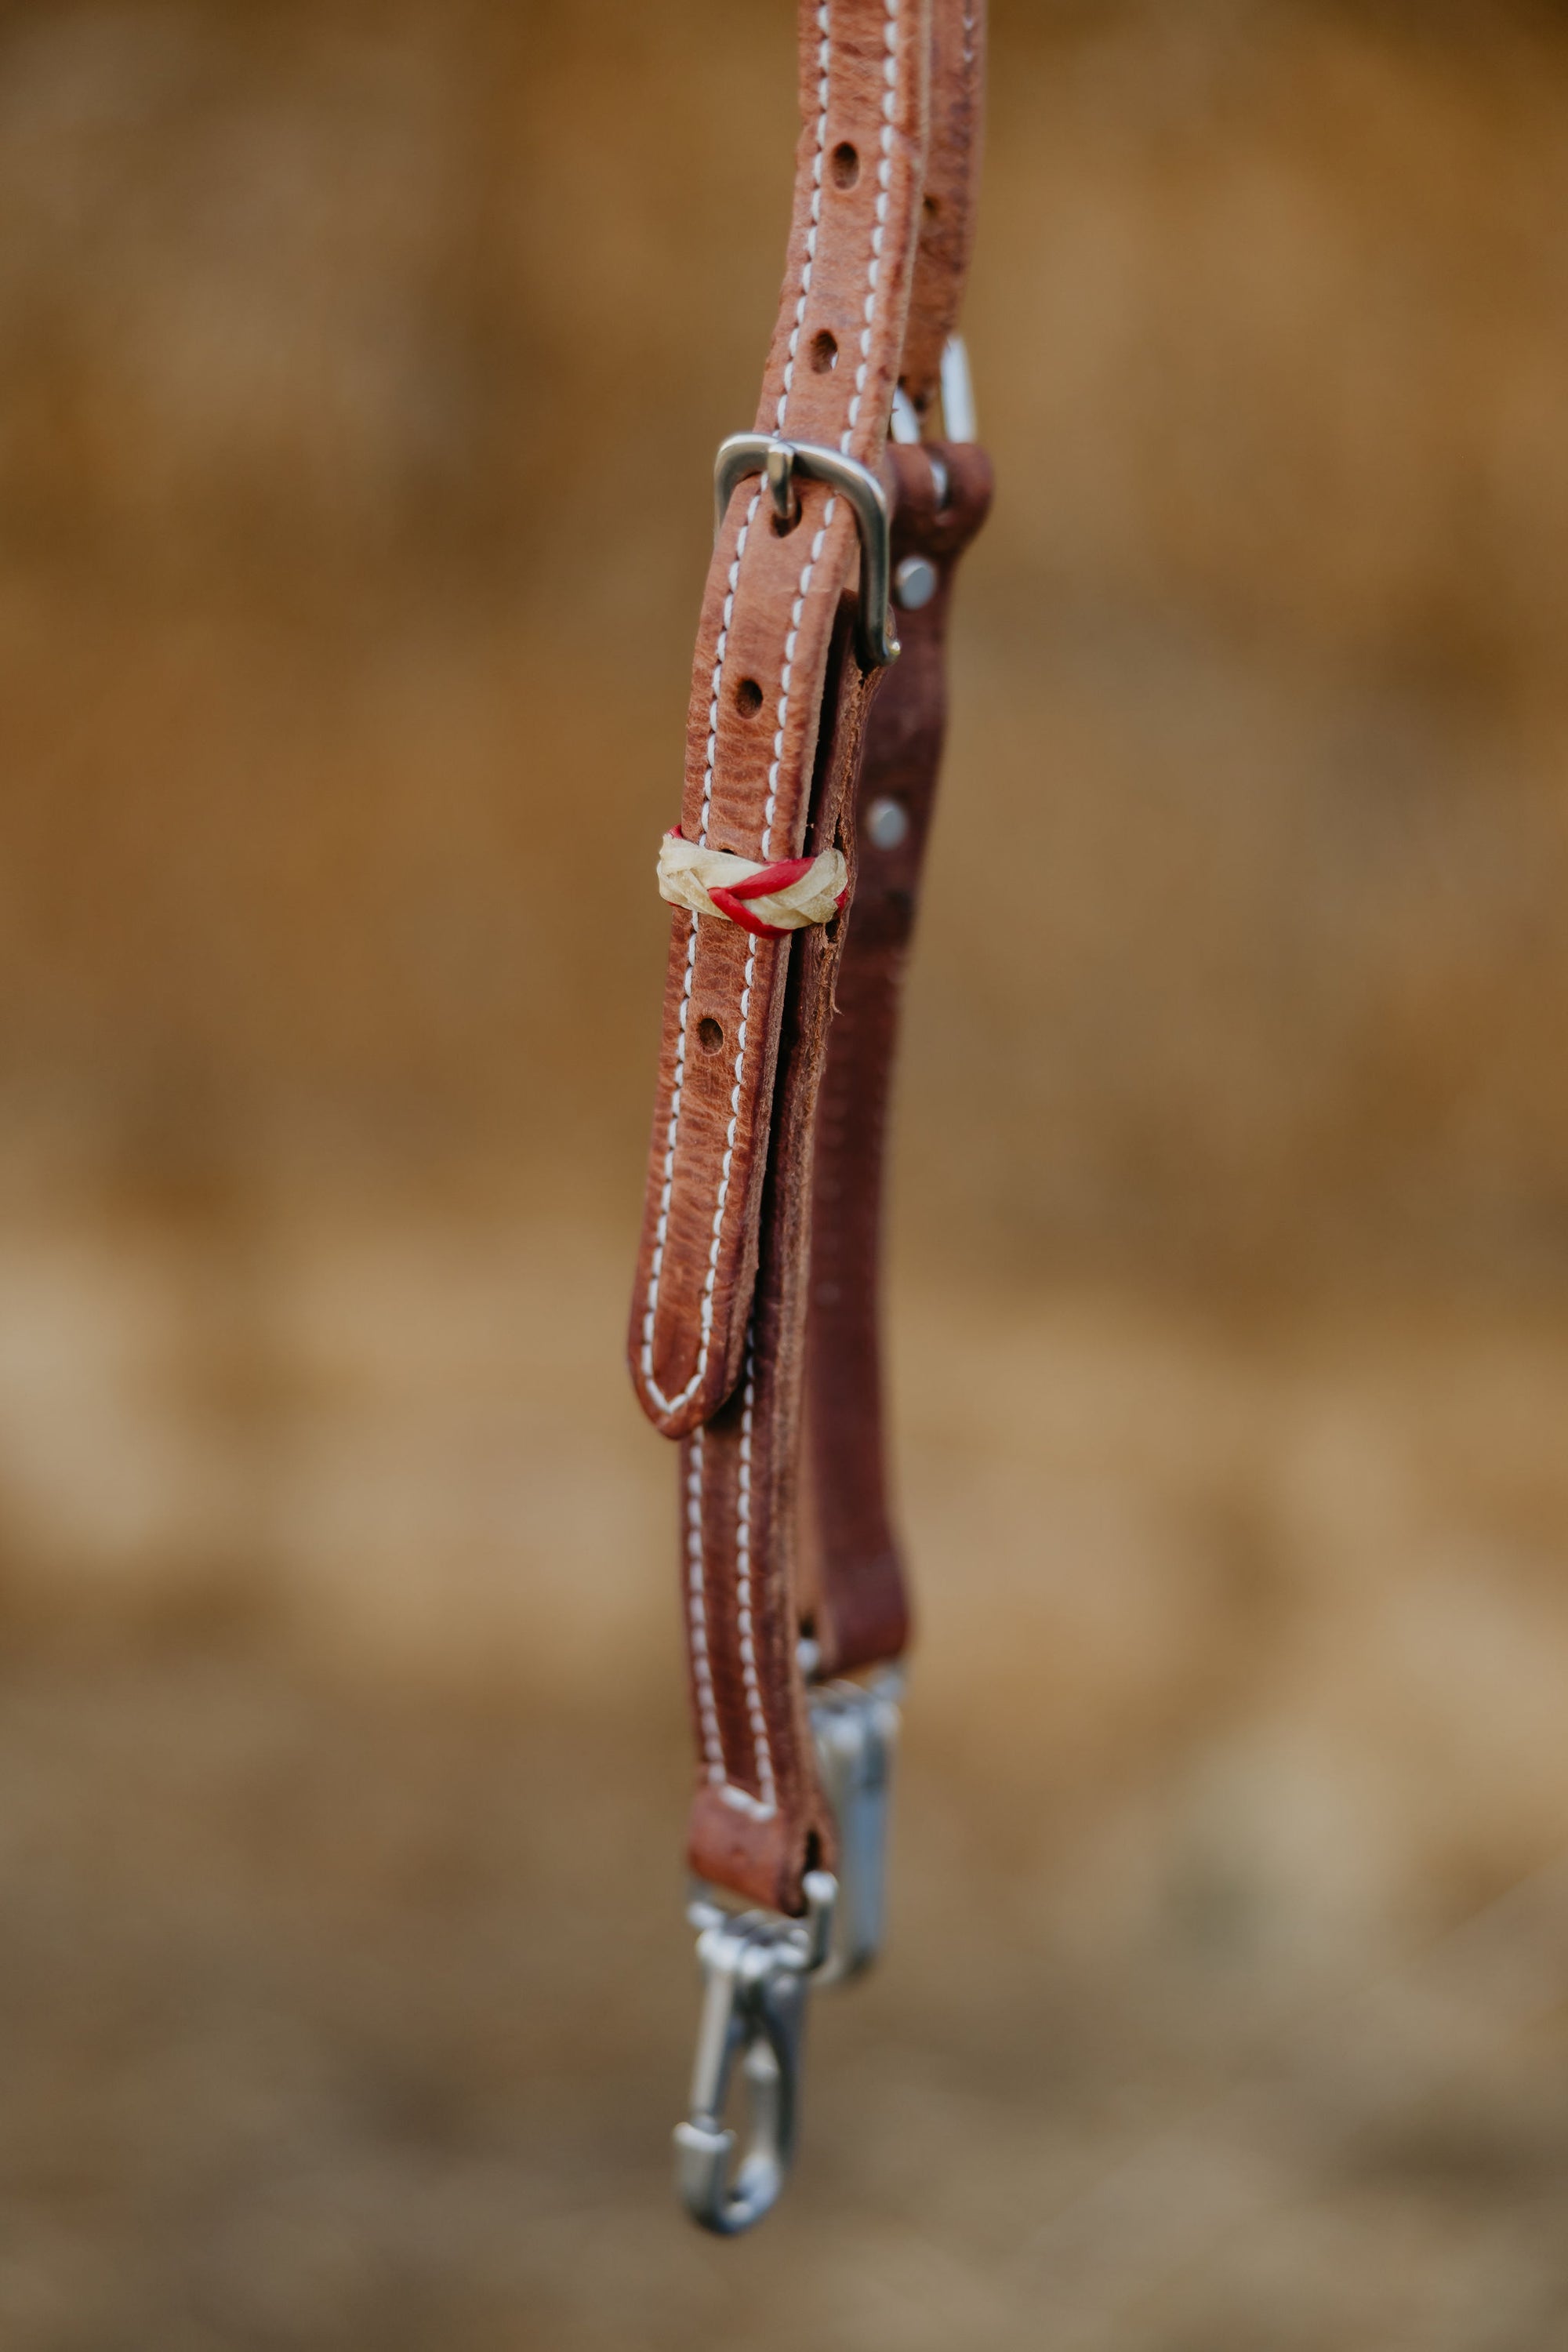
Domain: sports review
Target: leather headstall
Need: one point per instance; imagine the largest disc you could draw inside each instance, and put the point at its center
(810, 774)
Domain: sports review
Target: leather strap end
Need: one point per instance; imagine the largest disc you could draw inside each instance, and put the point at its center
(760, 1861)
(698, 1247)
(752, 745)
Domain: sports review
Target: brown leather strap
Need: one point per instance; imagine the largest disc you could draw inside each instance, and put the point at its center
(854, 1594)
(775, 737)
(751, 1566)
(854, 1601)
(948, 198)
(758, 677)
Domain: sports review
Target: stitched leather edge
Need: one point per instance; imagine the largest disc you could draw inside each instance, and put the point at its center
(767, 619)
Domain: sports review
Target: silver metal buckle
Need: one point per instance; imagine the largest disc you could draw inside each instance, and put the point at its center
(779, 462)
(758, 1969)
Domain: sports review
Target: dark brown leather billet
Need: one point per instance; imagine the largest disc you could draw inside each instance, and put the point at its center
(948, 200)
(853, 1588)
(775, 738)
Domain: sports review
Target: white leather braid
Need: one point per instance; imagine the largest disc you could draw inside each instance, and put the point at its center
(805, 890)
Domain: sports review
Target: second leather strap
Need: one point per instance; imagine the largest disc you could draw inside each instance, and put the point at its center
(854, 1592)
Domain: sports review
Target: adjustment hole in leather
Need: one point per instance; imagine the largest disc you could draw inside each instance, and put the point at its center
(784, 524)
(748, 697)
(930, 206)
(709, 1034)
(823, 352)
(845, 165)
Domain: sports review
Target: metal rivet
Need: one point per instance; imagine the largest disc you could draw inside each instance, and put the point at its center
(887, 822)
(914, 582)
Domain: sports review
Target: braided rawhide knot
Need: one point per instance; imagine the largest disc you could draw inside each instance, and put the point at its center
(768, 900)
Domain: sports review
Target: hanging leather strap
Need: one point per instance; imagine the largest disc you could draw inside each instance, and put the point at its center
(854, 1597)
(776, 733)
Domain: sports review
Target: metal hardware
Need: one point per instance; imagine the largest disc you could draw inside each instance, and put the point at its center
(855, 1727)
(779, 462)
(914, 582)
(887, 822)
(756, 1967)
(778, 470)
(958, 423)
(904, 425)
(957, 403)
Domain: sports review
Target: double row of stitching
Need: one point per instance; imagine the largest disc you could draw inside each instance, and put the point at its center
(650, 1314)
(698, 1385)
(884, 183)
(824, 68)
(763, 1805)
(719, 1341)
(672, 1134)
(709, 1556)
(696, 1618)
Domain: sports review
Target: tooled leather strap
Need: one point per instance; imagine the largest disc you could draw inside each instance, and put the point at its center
(774, 739)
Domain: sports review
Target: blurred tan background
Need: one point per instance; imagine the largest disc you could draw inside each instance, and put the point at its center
(363, 366)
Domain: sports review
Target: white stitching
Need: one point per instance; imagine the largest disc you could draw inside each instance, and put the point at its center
(824, 63)
(763, 1806)
(701, 1668)
(661, 1232)
(884, 180)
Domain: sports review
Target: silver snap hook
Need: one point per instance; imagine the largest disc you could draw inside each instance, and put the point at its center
(756, 1969)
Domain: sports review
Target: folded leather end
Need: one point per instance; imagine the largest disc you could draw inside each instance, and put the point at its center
(761, 1860)
(697, 1264)
(675, 1408)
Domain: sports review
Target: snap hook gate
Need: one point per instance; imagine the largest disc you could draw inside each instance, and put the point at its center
(756, 1967)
